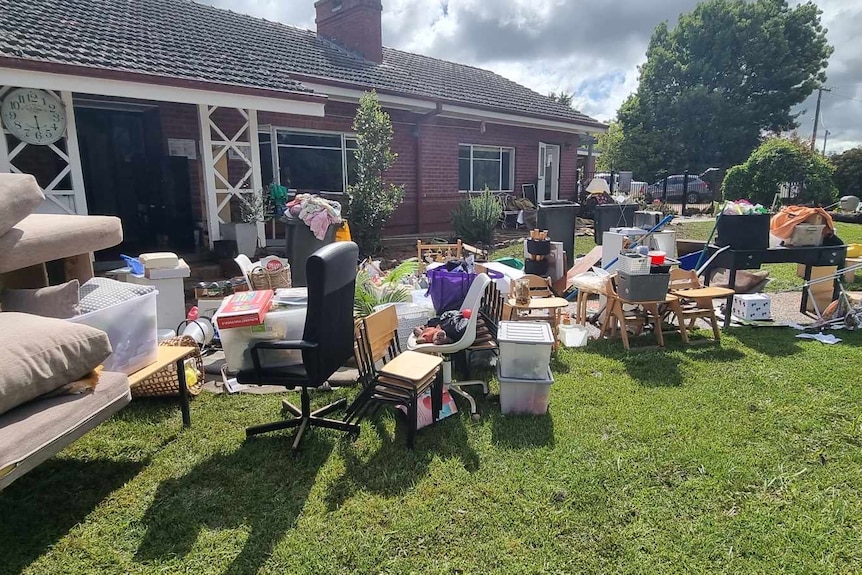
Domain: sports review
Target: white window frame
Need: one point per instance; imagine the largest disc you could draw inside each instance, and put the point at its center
(500, 149)
(274, 145)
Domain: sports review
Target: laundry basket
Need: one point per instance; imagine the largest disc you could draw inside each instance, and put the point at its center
(165, 382)
(410, 316)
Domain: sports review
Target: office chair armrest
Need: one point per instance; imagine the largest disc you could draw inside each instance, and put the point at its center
(276, 344)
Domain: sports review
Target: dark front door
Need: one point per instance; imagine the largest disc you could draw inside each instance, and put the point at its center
(127, 175)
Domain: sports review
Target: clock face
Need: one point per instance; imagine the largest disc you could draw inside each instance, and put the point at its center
(34, 116)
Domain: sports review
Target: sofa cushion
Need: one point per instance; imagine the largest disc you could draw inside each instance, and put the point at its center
(40, 354)
(102, 293)
(59, 301)
(20, 195)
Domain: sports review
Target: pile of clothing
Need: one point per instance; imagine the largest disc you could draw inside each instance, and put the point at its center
(317, 213)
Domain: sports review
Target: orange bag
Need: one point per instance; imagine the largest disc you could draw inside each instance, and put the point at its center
(784, 222)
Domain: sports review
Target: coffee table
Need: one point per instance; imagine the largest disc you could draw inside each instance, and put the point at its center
(170, 355)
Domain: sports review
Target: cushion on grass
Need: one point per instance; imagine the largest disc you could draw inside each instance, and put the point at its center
(20, 195)
(102, 293)
(40, 354)
(60, 301)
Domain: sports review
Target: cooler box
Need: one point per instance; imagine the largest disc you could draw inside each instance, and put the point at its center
(510, 274)
(279, 324)
(528, 396)
(525, 349)
(752, 306)
(132, 330)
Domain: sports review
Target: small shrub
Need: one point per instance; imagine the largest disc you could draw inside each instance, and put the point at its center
(476, 217)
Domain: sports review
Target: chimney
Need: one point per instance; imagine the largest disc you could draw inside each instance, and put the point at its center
(354, 24)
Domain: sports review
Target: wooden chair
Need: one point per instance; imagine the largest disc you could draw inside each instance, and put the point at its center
(403, 377)
(638, 315)
(695, 301)
(440, 253)
(544, 305)
(490, 314)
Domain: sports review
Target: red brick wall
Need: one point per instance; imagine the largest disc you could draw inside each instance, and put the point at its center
(357, 26)
(438, 164)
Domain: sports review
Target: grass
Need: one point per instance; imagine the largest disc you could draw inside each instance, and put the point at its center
(743, 459)
(784, 276)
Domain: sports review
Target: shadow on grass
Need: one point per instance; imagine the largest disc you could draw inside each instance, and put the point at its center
(261, 485)
(394, 469)
(774, 342)
(654, 368)
(522, 431)
(41, 507)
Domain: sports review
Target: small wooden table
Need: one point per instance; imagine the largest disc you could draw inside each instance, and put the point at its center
(616, 313)
(167, 356)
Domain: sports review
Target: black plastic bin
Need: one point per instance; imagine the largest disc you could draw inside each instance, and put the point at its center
(743, 232)
(301, 244)
(609, 216)
(644, 287)
(560, 217)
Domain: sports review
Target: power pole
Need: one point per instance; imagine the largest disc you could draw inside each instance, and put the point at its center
(825, 136)
(820, 91)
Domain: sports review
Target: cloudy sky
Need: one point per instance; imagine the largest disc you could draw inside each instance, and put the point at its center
(587, 47)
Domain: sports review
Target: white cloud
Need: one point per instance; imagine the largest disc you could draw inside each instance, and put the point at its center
(589, 48)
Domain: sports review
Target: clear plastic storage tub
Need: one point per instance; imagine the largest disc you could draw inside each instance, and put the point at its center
(525, 349)
(286, 324)
(528, 396)
(132, 329)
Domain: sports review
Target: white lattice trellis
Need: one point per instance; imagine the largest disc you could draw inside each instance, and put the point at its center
(217, 148)
(66, 200)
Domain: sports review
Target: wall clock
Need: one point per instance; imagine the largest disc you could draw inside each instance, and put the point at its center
(34, 116)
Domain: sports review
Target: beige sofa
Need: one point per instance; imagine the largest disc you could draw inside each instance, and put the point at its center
(38, 429)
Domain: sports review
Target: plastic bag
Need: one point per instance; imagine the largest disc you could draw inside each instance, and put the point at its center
(448, 288)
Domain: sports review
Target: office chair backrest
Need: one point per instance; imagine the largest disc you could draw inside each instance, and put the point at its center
(331, 275)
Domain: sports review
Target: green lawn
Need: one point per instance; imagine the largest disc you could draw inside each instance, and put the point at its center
(739, 459)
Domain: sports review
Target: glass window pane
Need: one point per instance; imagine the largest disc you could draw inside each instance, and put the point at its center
(351, 167)
(266, 171)
(507, 169)
(464, 175)
(486, 153)
(464, 152)
(309, 139)
(352, 144)
(263, 137)
(486, 173)
(311, 169)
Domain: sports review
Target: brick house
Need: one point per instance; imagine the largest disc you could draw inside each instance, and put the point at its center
(172, 108)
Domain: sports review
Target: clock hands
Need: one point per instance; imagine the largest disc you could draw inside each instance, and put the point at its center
(35, 117)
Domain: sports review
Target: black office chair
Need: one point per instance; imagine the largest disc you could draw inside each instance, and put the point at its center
(326, 345)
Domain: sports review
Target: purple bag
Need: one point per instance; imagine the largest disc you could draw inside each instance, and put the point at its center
(448, 289)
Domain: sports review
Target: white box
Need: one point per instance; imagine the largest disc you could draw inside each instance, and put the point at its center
(525, 349)
(528, 396)
(753, 306)
(172, 299)
(132, 330)
(806, 235)
(280, 324)
(181, 270)
(509, 275)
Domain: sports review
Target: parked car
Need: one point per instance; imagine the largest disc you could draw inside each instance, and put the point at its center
(698, 191)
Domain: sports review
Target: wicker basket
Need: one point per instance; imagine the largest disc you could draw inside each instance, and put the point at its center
(165, 383)
(262, 278)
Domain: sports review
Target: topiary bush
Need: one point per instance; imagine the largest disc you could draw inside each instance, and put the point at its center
(476, 217)
(777, 162)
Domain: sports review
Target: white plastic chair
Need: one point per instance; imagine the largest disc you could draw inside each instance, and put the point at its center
(473, 302)
(245, 266)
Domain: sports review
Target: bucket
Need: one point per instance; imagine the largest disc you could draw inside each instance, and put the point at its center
(657, 258)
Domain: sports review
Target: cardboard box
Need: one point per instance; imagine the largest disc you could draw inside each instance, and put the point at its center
(753, 306)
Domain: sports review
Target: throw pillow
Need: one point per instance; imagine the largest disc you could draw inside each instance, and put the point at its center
(101, 293)
(20, 195)
(40, 354)
(59, 301)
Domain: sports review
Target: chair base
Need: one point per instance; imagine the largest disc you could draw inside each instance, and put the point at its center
(455, 387)
(303, 419)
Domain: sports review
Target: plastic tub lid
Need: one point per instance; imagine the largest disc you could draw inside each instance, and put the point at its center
(547, 381)
(525, 332)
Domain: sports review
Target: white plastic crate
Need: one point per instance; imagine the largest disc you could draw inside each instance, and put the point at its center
(525, 396)
(410, 315)
(525, 349)
(806, 235)
(633, 264)
(752, 306)
(132, 331)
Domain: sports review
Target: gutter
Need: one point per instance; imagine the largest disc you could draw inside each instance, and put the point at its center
(419, 150)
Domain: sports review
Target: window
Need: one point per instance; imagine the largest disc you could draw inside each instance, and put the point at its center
(481, 166)
(309, 161)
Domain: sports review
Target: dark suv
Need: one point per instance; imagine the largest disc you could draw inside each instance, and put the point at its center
(698, 191)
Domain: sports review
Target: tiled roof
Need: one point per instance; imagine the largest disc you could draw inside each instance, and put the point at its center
(183, 39)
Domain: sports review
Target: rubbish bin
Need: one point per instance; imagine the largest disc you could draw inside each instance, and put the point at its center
(609, 216)
(559, 217)
(301, 244)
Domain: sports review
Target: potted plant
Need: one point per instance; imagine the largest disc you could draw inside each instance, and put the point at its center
(255, 207)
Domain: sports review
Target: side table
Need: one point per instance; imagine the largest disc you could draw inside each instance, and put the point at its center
(167, 356)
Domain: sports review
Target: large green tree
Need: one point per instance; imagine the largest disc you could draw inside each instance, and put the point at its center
(848, 172)
(610, 149)
(730, 71)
